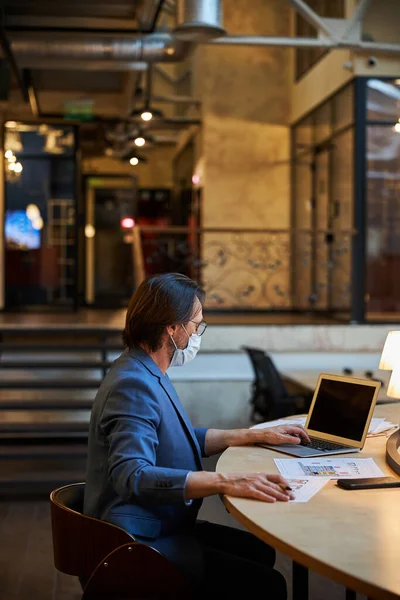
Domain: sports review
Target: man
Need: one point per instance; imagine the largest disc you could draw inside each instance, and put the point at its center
(144, 469)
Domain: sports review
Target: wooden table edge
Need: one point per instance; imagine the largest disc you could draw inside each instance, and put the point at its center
(349, 581)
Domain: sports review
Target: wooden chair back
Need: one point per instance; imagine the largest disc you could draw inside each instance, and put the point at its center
(80, 542)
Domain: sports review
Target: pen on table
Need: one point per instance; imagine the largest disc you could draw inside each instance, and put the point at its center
(285, 487)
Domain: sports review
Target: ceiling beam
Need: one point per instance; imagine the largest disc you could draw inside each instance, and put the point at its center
(8, 53)
(356, 17)
(257, 40)
(297, 42)
(312, 17)
(176, 99)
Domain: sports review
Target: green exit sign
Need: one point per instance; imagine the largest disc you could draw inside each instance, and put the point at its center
(79, 110)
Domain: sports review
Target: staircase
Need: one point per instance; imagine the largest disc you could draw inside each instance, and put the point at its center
(48, 379)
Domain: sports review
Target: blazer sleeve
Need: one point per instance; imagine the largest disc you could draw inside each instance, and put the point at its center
(129, 422)
(200, 433)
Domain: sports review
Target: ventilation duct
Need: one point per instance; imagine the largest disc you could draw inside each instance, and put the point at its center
(146, 48)
(199, 20)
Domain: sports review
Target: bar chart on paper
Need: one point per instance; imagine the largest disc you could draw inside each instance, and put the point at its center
(334, 468)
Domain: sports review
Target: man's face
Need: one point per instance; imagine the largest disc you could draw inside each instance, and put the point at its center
(180, 335)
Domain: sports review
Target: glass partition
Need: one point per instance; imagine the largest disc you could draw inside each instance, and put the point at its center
(383, 221)
(322, 206)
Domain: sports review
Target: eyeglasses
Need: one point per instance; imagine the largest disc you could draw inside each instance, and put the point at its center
(200, 327)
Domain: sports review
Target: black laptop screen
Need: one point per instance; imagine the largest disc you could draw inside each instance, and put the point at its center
(341, 408)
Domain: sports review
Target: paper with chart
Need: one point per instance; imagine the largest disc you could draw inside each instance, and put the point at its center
(333, 468)
(305, 488)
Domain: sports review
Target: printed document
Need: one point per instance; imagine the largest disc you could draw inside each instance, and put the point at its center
(305, 488)
(333, 468)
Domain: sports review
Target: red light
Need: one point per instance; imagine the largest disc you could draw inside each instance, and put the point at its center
(127, 223)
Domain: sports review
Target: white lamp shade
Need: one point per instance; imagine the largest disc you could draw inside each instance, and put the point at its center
(390, 357)
(393, 390)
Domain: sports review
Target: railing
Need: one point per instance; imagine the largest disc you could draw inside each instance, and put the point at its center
(253, 269)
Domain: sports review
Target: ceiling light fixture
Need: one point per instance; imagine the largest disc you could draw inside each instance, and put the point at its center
(139, 141)
(146, 113)
(133, 157)
(13, 168)
(396, 128)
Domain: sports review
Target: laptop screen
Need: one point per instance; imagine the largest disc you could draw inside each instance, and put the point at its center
(341, 408)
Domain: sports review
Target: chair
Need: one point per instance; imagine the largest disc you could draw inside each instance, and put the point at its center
(270, 396)
(106, 557)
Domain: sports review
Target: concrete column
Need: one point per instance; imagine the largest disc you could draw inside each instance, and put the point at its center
(245, 94)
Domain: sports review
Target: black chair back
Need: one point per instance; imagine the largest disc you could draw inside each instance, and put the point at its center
(270, 395)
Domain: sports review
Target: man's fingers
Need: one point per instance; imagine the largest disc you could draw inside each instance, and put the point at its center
(290, 439)
(279, 494)
(297, 430)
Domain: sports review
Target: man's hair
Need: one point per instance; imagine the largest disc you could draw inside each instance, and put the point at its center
(159, 301)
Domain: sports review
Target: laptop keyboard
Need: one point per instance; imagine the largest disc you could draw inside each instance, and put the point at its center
(323, 445)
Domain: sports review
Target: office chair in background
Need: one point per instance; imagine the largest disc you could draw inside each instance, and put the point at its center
(270, 396)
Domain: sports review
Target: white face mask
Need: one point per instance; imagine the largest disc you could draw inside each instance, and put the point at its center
(182, 357)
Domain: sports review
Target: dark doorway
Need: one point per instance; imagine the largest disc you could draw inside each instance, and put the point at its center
(111, 213)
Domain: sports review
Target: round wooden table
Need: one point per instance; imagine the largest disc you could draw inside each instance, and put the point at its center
(352, 537)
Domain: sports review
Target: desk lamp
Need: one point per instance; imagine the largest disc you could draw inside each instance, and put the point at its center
(390, 361)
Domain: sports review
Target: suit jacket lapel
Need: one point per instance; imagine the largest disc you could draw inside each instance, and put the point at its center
(169, 389)
(166, 384)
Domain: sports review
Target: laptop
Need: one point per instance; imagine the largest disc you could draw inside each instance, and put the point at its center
(339, 417)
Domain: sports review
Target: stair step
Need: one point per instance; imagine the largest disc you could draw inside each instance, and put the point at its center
(50, 451)
(10, 347)
(43, 364)
(85, 329)
(84, 404)
(44, 436)
(48, 384)
(35, 428)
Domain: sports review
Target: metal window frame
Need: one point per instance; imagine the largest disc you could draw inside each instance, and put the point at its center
(363, 82)
(358, 255)
(311, 151)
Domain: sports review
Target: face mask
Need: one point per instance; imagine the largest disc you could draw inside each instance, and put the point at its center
(182, 357)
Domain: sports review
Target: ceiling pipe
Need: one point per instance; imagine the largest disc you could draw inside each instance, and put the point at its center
(199, 20)
(148, 48)
(31, 62)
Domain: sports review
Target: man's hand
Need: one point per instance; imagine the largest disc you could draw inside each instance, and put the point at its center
(258, 486)
(282, 434)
